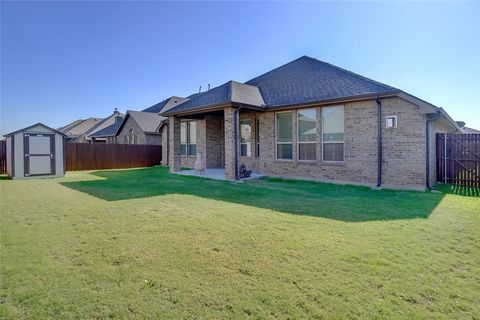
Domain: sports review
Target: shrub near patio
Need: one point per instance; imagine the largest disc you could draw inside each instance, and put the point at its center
(145, 243)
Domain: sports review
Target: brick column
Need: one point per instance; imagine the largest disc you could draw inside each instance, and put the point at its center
(165, 145)
(174, 160)
(229, 143)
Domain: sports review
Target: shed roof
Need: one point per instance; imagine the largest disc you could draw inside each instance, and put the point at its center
(33, 126)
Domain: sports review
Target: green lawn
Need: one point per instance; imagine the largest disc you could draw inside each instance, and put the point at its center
(144, 243)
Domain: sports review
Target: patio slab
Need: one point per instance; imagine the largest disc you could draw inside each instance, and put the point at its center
(216, 174)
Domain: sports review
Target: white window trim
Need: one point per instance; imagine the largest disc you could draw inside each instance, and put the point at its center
(276, 137)
(386, 122)
(337, 141)
(307, 142)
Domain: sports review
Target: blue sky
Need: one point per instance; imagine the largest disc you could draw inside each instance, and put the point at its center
(61, 61)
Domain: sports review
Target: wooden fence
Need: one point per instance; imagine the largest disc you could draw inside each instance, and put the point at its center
(3, 156)
(458, 159)
(93, 156)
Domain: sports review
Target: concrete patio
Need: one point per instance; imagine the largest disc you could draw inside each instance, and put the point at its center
(216, 174)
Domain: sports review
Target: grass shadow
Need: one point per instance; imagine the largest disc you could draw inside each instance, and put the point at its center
(339, 202)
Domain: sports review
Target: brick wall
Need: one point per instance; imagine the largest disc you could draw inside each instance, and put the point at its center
(215, 140)
(404, 147)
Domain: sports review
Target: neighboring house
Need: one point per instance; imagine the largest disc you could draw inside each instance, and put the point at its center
(470, 130)
(311, 120)
(140, 127)
(107, 134)
(83, 131)
(76, 131)
(115, 118)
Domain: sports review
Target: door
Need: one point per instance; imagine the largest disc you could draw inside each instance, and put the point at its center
(39, 151)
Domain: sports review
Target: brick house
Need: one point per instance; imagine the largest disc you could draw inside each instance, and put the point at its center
(310, 120)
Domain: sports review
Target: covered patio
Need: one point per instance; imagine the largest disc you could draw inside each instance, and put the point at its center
(215, 117)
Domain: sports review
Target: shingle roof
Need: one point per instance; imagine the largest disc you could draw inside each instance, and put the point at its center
(310, 80)
(229, 92)
(165, 104)
(105, 122)
(147, 121)
(109, 131)
(79, 127)
(300, 81)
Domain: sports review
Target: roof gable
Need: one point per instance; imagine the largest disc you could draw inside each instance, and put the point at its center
(229, 92)
(39, 124)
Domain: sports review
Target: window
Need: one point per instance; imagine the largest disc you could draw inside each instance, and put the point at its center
(391, 122)
(245, 138)
(307, 134)
(283, 129)
(333, 126)
(132, 138)
(257, 137)
(183, 138)
(188, 138)
(192, 138)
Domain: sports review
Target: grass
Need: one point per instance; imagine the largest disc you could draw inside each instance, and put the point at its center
(147, 244)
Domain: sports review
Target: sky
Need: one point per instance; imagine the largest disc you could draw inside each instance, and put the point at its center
(62, 61)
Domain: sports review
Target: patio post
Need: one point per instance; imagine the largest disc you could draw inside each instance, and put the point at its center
(229, 114)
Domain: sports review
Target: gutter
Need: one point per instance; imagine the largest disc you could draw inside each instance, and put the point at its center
(379, 142)
(435, 117)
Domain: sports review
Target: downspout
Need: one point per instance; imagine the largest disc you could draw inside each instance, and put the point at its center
(427, 146)
(379, 142)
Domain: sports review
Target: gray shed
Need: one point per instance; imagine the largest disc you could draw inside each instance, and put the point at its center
(37, 151)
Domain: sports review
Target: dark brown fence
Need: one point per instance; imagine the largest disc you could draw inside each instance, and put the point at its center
(458, 159)
(92, 156)
(3, 156)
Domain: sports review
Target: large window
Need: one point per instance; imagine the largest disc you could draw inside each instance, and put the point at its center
(283, 129)
(192, 138)
(245, 138)
(183, 138)
(188, 138)
(332, 127)
(307, 134)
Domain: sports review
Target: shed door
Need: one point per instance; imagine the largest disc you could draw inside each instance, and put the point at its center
(39, 154)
